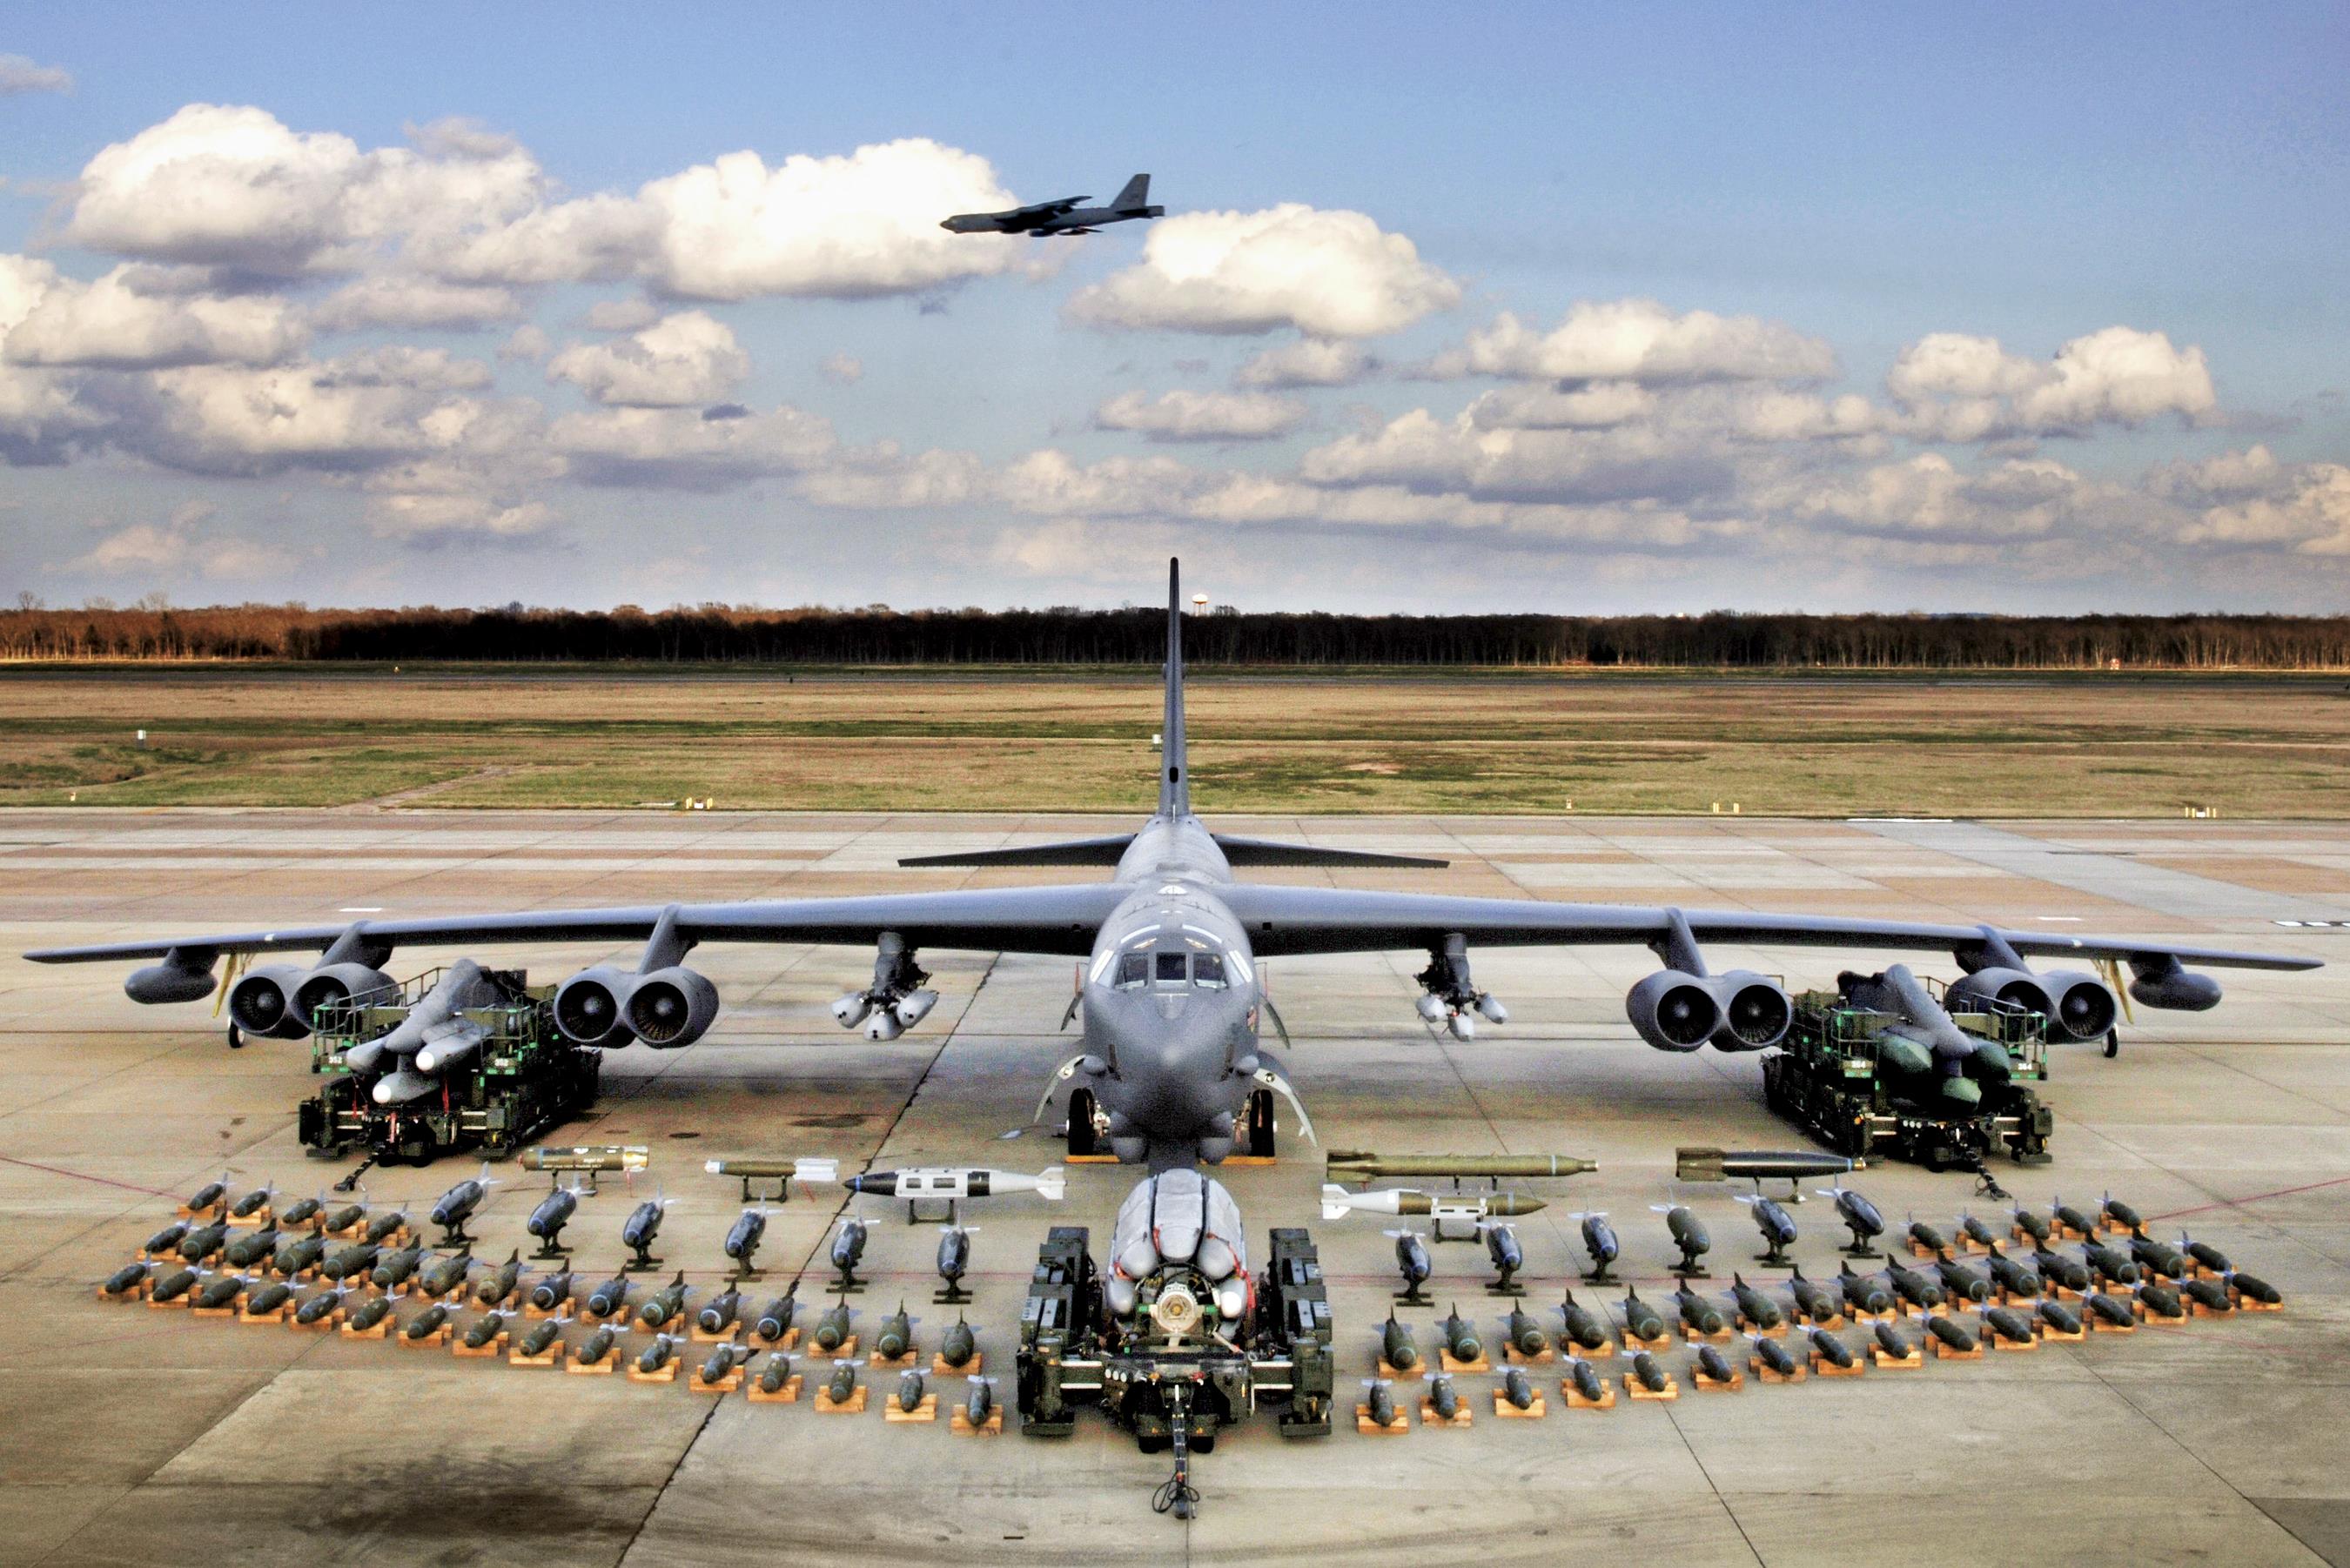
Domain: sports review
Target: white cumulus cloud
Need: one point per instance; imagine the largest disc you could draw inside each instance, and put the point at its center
(1329, 274)
(1954, 387)
(1182, 415)
(411, 304)
(112, 324)
(682, 360)
(1640, 341)
(1308, 362)
(19, 74)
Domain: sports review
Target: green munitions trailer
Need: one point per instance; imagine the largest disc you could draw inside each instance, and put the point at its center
(1828, 1078)
(526, 1078)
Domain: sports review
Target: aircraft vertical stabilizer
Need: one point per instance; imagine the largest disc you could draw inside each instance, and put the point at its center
(1175, 774)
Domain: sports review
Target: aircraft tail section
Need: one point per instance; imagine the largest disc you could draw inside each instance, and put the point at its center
(1136, 196)
(1175, 769)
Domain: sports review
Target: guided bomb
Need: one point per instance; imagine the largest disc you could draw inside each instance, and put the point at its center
(832, 1328)
(896, 1335)
(774, 1319)
(368, 1314)
(1599, 1240)
(553, 1212)
(848, 1249)
(743, 1236)
(1581, 1326)
(552, 1291)
(638, 1230)
(1812, 1300)
(446, 1277)
(609, 1297)
(499, 1282)
(959, 1346)
(1754, 1306)
(1860, 1217)
(1641, 1321)
(1688, 1233)
(664, 1304)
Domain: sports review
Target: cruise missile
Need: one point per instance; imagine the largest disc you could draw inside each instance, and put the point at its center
(1465, 1208)
(958, 1181)
(1358, 1165)
(1697, 1164)
(587, 1158)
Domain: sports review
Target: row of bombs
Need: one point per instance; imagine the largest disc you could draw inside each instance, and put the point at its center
(543, 1343)
(2117, 1246)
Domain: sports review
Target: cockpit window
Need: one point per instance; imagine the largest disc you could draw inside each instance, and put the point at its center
(1170, 968)
(1208, 969)
(1133, 968)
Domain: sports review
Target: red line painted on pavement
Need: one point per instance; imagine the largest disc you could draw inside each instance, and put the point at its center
(2255, 1197)
(79, 1176)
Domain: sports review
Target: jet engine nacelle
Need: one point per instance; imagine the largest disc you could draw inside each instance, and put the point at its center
(670, 1007)
(1755, 1012)
(2085, 1008)
(262, 1003)
(331, 985)
(587, 1007)
(2016, 987)
(1673, 1009)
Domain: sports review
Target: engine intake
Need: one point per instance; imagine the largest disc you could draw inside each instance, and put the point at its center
(2085, 1007)
(1755, 1012)
(1673, 1009)
(2016, 987)
(587, 1007)
(670, 1007)
(261, 1003)
(331, 985)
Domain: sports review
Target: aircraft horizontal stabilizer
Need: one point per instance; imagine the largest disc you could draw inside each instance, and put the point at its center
(1066, 852)
(1272, 852)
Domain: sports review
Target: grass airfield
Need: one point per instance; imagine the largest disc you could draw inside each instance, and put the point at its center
(139, 1436)
(1355, 743)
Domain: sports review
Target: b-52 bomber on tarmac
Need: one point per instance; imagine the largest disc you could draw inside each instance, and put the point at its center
(1172, 1068)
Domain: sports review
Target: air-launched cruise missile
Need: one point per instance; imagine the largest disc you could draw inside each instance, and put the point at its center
(959, 1346)
(1699, 1315)
(1641, 1321)
(1360, 1165)
(609, 1297)
(776, 1374)
(1460, 1341)
(743, 1238)
(1777, 1226)
(1961, 1282)
(1443, 1208)
(1443, 1398)
(1689, 1234)
(847, 1251)
(774, 1319)
(958, 1182)
(1581, 1326)
(1924, 1046)
(1757, 1164)
(832, 1328)
(432, 1038)
(553, 1212)
(1755, 1307)
(1527, 1335)
(717, 1315)
(249, 1249)
(1412, 1262)
(125, 1280)
(664, 1304)
(393, 1270)
(499, 1282)
(1860, 1217)
(552, 1291)
(1812, 1300)
(1599, 1240)
(1396, 1347)
(447, 1275)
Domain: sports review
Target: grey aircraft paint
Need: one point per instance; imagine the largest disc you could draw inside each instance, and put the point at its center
(1171, 998)
(1065, 215)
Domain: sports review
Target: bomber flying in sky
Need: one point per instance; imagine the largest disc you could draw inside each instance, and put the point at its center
(1172, 1068)
(1068, 215)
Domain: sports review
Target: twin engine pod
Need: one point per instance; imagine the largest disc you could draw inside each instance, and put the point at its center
(2077, 1006)
(277, 1001)
(607, 1006)
(1673, 1009)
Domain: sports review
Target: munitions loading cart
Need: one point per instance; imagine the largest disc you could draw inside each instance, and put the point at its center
(1827, 1077)
(1173, 1391)
(526, 1079)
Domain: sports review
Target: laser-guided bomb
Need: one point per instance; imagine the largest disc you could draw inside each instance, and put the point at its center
(1776, 1225)
(1689, 1235)
(1599, 1240)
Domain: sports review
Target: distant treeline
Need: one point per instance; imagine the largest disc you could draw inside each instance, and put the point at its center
(721, 634)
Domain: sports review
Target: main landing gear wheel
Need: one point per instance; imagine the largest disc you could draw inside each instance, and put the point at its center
(1081, 1123)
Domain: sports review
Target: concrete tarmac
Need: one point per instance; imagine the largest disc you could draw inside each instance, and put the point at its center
(139, 1436)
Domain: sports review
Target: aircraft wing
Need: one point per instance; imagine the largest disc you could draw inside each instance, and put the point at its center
(1062, 919)
(1286, 920)
(1044, 209)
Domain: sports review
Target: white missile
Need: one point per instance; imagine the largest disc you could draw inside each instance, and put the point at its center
(958, 1181)
(1337, 1203)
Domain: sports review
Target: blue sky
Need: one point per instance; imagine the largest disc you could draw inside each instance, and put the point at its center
(1721, 232)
